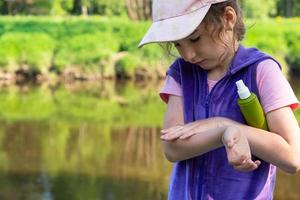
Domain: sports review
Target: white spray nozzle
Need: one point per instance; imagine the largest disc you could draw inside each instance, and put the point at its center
(243, 90)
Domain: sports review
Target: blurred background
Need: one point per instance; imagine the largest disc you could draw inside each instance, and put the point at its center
(80, 114)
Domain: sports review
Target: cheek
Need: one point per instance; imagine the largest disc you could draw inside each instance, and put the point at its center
(180, 52)
(207, 51)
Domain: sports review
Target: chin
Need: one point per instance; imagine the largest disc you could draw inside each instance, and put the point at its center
(206, 67)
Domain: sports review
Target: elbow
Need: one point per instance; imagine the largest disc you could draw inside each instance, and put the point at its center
(171, 156)
(170, 153)
(292, 170)
(294, 166)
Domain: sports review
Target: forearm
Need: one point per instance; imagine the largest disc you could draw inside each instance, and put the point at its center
(273, 148)
(268, 146)
(198, 144)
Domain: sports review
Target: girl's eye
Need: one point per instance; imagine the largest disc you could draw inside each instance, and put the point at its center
(195, 39)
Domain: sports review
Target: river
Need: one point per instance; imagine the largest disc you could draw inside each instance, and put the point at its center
(90, 141)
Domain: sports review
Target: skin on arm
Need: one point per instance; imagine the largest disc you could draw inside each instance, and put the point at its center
(238, 150)
(280, 146)
(284, 136)
(236, 144)
(177, 150)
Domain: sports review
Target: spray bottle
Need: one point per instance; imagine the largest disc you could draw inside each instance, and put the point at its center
(250, 107)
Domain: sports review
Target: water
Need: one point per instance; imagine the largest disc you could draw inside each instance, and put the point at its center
(88, 141)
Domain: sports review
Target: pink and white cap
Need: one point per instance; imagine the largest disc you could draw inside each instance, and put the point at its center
(175, 19)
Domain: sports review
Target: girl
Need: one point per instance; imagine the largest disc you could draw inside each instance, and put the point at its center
(204, 131)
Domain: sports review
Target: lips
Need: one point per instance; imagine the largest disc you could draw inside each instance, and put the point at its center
(200, 62)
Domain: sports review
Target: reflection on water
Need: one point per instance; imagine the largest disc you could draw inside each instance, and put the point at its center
(82, 161)
(88, 142)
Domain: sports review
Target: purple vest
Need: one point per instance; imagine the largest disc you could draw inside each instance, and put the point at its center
(209, 176)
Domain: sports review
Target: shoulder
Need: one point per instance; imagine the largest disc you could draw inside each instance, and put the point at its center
(180, 68)
(268, 73)
(170, 87)
(273, 87)
(268, 65)
(174, 69)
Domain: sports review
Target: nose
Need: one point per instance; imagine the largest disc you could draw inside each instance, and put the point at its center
(188, 53)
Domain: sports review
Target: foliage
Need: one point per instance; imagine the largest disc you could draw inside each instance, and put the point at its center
(293, 57)
(86, 44)
(279, 42)
(292, 36)
(94, 44)
(61, 7)
(288, 8)
(136, 9)
(110, 7)
(33, 50)
(257, 9)
(125, 67)
(85, 51)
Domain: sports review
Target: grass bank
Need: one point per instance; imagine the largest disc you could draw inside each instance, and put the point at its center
(99, 47)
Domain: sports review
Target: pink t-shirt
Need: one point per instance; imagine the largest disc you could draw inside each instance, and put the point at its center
(273, 88)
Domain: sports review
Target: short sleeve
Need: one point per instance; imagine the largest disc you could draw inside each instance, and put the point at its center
(274, 89)
(174, 70)
(170, 87)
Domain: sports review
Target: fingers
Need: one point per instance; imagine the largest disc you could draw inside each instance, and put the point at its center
(247, 165)
(177, 131)
(173, 133)
(171, 129)
(238, 160)
(257, 162)
(186, 135)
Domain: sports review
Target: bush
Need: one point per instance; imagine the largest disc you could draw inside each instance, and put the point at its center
(85, 51)
(32, 50)
(293, 57)
(292, 38)
(129, 34)
(265, 37)
(91, 43)
(127, 66)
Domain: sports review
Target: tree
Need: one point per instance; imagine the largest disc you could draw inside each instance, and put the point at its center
(288, 8)
(110, 7)
(139, 9)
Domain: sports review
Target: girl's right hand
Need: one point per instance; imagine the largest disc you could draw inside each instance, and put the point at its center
(238, 150)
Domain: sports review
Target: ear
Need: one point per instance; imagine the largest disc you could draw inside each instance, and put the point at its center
(229, 18)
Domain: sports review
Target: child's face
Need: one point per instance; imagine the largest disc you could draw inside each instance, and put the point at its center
(201, 49)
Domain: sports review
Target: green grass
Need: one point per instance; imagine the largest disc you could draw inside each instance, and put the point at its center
(90, 44)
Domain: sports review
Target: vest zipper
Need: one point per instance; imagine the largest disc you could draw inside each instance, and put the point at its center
(207, 106)
(207, 98)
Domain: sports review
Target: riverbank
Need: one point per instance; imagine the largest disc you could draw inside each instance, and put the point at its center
(93, 48)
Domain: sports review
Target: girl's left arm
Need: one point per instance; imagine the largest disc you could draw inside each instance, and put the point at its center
(281, 145)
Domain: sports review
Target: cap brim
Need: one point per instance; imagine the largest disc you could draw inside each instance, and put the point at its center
(176, 28)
